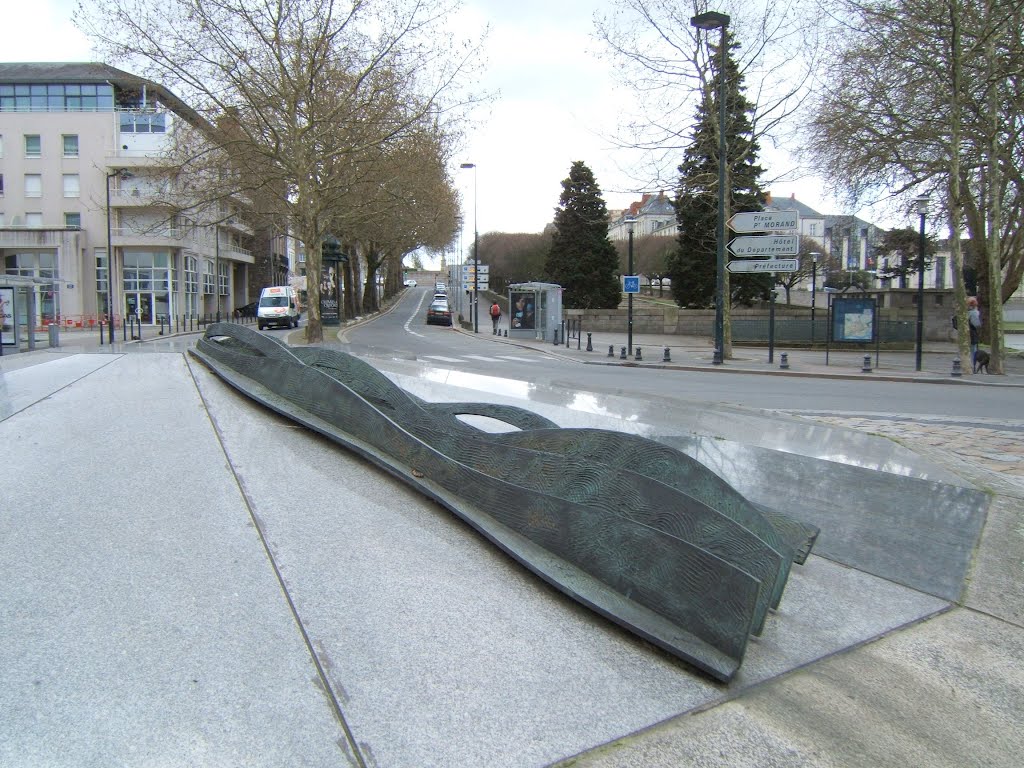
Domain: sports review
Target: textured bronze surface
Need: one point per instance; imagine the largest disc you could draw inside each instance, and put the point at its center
(637, 531)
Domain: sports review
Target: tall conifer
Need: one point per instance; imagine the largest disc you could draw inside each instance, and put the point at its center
(582, 259)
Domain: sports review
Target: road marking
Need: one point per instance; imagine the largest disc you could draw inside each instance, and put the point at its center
(415, 315)
(442, 358)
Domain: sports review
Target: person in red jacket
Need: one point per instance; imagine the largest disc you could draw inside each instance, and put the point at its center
(495, 317)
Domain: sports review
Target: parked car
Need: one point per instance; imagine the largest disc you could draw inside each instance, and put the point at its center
(249, 310)
(439, 313)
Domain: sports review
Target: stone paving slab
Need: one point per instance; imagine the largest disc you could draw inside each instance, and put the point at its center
(142, 623)
(945, 693)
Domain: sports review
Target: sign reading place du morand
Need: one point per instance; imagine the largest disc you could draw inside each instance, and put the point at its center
(767, 244)
(764, 221)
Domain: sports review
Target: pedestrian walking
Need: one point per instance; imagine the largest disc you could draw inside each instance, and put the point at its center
(495, 317)
(973, 326)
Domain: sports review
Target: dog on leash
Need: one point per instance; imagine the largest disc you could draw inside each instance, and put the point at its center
(981, 361)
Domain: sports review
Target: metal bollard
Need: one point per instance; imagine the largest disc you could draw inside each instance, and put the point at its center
(957, 370)
(622, 355)
(639, 354)
(867, 364)
(611, 350)
(784, 361)
(590, 346)
(667, 358)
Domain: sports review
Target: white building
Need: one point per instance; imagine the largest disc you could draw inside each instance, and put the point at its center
(80, 164)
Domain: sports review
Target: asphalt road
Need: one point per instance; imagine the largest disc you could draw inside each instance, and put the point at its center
(402, 334)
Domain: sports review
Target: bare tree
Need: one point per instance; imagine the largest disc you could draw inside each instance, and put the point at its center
(943, 115)
(308, 87)
(662, 60)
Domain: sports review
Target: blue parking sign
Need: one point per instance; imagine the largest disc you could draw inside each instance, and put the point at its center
(631, 284)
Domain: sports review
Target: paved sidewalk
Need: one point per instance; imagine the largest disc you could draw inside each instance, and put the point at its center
(190, 580)
(694, 353)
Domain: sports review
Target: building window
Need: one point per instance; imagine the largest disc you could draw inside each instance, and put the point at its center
(71, 185)
(70, 145)
(191, 285)
(208, 277)
(34, 219)
(1, 185)
(143, 122)
(73, 220)
(224, 268)
(33, 185)
(101, 280)
(56, 97)
(33, 145)
(146, 270)
(1, 145)
(191, 275)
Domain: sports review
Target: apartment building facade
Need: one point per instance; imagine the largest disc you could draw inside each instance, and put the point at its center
(85, 222)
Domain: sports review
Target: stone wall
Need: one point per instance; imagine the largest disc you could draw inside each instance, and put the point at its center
(672, 320)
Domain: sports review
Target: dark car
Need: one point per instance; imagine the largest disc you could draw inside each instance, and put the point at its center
(249, 310)
(439, 313)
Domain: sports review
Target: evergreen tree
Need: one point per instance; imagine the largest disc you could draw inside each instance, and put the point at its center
(582, 259)
(693, 265)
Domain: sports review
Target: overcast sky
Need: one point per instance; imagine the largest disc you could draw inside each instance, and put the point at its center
(556, 103)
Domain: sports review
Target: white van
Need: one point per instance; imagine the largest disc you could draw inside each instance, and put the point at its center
(277, 307)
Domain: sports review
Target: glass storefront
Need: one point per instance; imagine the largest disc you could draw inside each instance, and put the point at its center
(147, 285)
(40, 265)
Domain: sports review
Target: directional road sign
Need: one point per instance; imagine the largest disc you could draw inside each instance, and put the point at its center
(764, 221)
(765, 245)
(630, 284)
(764, 265)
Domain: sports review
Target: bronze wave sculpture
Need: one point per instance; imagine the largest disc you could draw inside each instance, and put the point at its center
(637, 531)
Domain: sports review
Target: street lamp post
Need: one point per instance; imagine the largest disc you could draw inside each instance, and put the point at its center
(630, 224)
(814, 289)
(708, 21)
(476, 255)
(922, 210)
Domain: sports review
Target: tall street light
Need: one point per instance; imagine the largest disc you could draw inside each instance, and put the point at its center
(476, 255)
(814, 289)
(708, 21)
(630, 224)
(922, 210)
